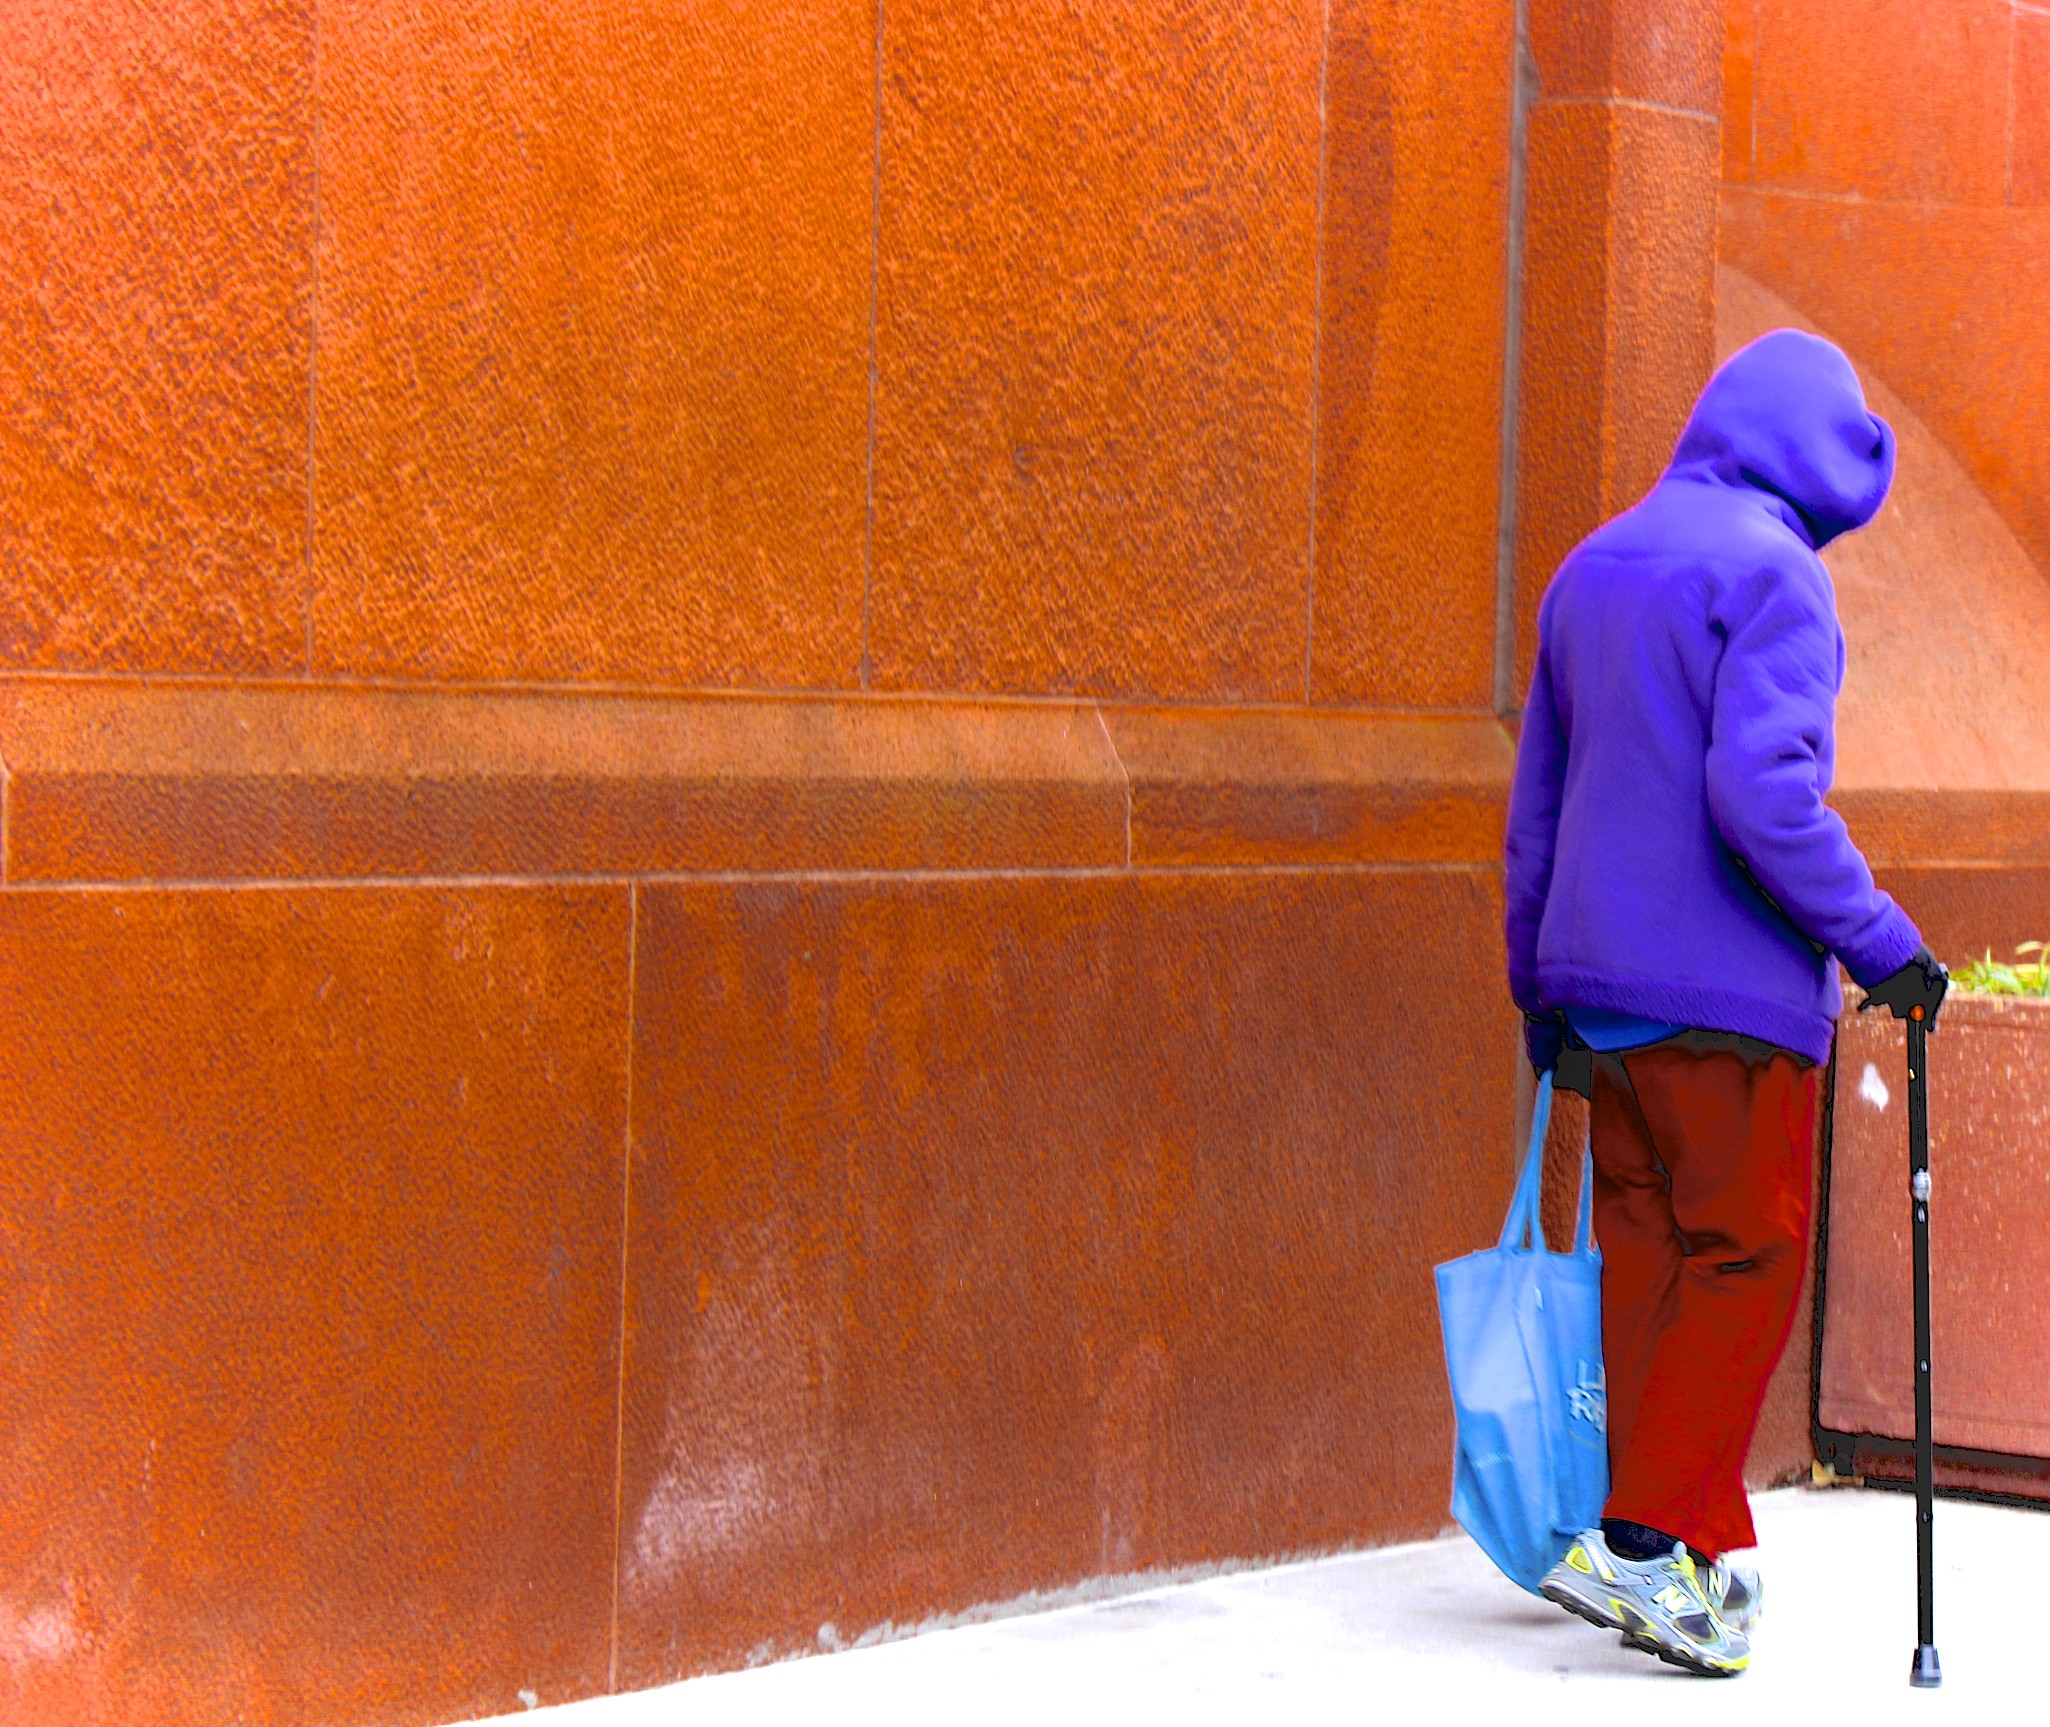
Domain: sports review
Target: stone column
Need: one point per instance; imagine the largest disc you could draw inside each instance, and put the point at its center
(1619, 103)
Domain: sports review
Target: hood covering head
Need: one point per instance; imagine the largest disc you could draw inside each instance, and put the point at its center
(1786, 416)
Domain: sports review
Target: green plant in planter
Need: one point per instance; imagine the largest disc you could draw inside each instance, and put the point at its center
(1989, 977)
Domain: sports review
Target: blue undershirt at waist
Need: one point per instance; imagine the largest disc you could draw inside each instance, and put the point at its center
(1609, 1032)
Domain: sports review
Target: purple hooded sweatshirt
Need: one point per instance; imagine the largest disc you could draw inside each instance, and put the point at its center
(1669, 855)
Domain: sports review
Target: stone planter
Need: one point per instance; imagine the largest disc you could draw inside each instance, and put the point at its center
(1989, 1155)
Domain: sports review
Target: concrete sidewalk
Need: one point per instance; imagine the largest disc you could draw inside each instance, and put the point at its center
(1431, 1632)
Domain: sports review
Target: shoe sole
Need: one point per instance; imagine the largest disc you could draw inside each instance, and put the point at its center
(1639, 1637)
(1583, 1610)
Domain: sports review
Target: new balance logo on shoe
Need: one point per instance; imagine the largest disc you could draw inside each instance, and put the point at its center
(1674, 1599)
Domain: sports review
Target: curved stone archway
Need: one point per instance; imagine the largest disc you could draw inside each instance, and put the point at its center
(1947, 619)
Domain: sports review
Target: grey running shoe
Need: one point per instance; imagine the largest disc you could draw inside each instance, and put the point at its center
(1660, 1605)
(1736, 1593)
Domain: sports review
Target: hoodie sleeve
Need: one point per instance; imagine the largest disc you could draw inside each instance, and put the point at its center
(1774, 719)
(1533, 836)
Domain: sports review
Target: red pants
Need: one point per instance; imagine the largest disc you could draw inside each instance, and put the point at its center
(1702, 1155)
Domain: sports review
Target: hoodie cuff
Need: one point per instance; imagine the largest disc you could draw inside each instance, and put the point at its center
(1898, 942)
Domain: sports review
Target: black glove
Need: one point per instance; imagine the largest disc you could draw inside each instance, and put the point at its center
(1916, 991)
(1552, 1049)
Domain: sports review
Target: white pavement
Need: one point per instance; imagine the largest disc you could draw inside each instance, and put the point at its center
(1430, 1632)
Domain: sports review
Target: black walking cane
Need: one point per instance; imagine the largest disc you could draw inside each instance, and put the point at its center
(1914, 998)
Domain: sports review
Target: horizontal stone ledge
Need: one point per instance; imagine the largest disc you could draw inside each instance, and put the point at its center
(1259, 786)
(122, 781)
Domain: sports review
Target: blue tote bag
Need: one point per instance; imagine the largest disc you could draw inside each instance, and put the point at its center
(1523, 1346)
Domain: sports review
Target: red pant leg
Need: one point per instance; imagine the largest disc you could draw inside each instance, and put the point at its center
(1640, 1243)
(1702, 1319)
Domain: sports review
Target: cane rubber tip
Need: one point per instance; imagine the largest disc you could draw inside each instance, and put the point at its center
(1927, 1672)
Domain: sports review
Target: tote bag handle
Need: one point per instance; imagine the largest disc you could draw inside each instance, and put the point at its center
(1521, 1230)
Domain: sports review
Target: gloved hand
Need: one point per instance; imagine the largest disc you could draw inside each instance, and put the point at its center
(1543, 1038)
(1570, 1064)
(1922, 983)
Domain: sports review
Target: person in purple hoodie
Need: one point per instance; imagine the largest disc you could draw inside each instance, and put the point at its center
(1679, 897)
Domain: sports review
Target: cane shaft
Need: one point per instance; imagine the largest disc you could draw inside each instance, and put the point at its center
(1925, 1439)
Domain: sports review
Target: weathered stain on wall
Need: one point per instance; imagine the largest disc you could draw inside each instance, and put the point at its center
(992, 1248)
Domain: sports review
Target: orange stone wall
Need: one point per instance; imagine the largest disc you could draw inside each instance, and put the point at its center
(753, 770)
